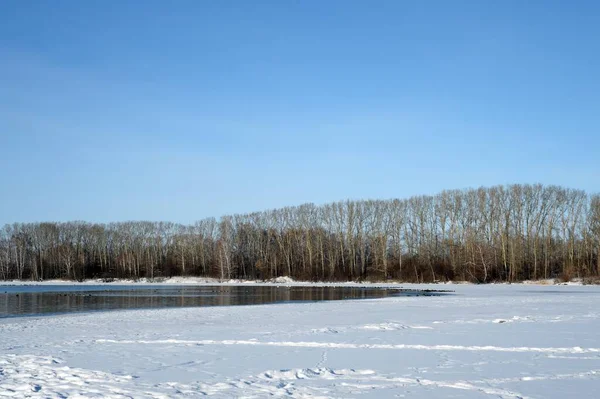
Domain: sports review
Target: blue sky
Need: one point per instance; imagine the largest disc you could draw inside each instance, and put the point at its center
(155, 110)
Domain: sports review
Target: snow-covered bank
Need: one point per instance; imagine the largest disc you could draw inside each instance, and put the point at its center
(279, 281)
(507, 341)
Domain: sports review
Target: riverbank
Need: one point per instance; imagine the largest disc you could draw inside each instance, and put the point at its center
(279, 281)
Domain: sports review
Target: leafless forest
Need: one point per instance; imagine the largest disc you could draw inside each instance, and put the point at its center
(502, 233)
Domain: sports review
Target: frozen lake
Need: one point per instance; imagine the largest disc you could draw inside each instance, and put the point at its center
(490, 341)
(46, 299)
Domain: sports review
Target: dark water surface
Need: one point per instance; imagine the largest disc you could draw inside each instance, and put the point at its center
(39, 300)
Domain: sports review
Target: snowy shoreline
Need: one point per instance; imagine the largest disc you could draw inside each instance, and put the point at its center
(279, 281)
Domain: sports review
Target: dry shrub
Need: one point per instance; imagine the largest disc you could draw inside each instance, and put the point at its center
(565, 276)
(592, 280)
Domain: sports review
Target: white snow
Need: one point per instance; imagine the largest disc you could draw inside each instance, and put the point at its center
(278, 281)
(142, 281)
(493, 341)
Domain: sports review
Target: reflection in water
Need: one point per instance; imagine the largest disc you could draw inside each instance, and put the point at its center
(36, 300)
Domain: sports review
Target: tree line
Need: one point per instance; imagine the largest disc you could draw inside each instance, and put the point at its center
(501, 233)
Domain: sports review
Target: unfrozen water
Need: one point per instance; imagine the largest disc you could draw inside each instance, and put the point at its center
(44, 299)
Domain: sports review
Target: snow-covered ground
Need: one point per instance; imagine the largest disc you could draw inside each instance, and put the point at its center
(156, 281)
(279, 281)
(502, 341)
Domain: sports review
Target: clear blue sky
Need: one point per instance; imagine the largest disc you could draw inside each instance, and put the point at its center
(159, 110)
